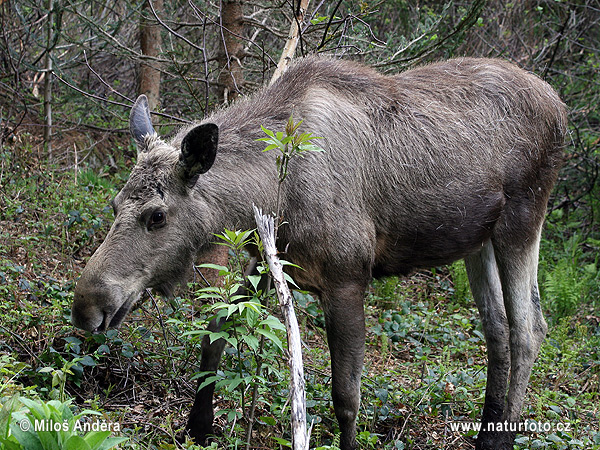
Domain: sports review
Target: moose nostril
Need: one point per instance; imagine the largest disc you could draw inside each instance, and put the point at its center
(103, 326)
(85, 313)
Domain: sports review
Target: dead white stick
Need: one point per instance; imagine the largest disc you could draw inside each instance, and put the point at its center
(292, 42)
(300, 435)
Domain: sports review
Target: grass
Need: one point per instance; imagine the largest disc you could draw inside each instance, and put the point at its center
(425, 365)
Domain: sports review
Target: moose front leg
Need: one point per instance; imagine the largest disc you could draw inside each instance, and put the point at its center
(201, 417)
(345, 322)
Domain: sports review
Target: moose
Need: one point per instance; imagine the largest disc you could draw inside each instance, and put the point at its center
(447, 161)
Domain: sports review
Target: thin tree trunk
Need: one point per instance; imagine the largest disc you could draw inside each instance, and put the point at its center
(150, 43)
(231, 76)
(48, 84)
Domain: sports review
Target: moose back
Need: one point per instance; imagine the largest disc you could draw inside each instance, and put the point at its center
(446, 161)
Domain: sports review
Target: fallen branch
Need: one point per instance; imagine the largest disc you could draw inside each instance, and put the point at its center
(300, 435)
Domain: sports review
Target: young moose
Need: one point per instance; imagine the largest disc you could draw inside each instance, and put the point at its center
(447, 161)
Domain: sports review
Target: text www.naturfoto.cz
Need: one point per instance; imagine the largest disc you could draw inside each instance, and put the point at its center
(519, 427)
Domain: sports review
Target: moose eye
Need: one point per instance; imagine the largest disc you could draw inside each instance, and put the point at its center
(157, 219)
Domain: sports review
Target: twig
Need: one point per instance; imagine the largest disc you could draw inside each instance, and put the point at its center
(561, 35)
(173, 32)
(201, 275)
(324, 40)
(164, 332)
(113, 102)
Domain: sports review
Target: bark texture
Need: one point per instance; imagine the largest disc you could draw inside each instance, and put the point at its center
(231, 76)
(150, 43)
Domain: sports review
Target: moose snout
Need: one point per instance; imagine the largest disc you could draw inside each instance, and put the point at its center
(95, 305)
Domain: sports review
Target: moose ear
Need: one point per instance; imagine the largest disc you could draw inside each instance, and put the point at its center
(199, 149)
(140, 123)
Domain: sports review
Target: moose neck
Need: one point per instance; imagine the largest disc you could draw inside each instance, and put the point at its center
(242, 174)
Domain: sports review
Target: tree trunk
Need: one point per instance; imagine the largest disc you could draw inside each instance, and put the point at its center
(150, 43)
(231, 77)
(48, 85)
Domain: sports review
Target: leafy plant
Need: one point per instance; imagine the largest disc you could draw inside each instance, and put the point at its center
(291, 144)
(252, 332)
(37, 425)
(567, 281)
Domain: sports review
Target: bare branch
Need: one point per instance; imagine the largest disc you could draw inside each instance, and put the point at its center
(292, 42)
(266, 230)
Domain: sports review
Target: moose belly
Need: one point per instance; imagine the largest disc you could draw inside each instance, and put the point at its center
(436, 236)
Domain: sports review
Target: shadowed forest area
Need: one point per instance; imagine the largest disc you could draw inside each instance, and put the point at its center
(69, 74)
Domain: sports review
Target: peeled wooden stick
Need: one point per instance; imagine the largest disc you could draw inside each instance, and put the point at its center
(300, 436)
(292, 42)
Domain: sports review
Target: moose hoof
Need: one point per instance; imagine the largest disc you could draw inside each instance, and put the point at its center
(348, 443)
(495, 441)
(199, 428)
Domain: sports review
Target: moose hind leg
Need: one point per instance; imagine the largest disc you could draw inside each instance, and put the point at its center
(484, 279)
(517, 266)
(345, 322)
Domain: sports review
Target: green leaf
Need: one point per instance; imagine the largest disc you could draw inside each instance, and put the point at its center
(233, 309)
(283, 442)
(112, 442)
(556, 409)
(10, 444)
(272, 322)
(290, 280)
(231, 340)
(287, 263)
(202, 332)
(103, 350)
(87, 360)
(271, 336)
(76, 443)
(215, 267)
(254, 280)
(95, 438)
(268, 420)
(267, 131)
(218, 335)
(237, 298)
(251, 341)
(50, 440)
(270, 147)
(554, 438)
(208, 380)
(37, 409)
(28, 439)
(252, 316)
(86, 412)
(253, 305)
